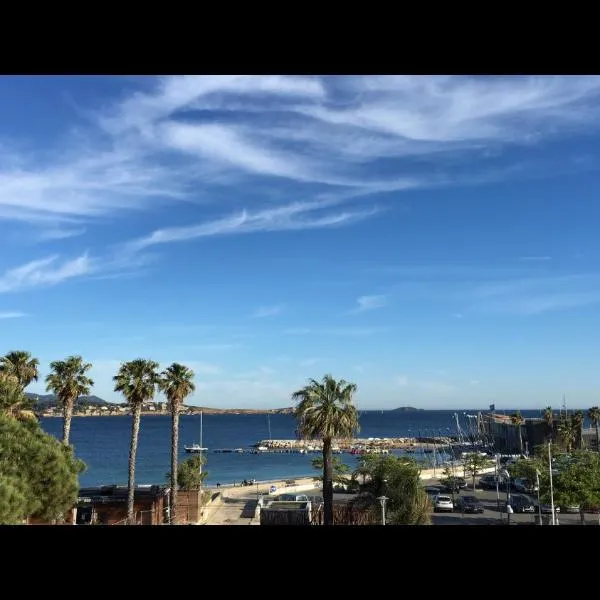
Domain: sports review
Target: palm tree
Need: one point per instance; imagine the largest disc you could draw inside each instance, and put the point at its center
(594, 417)
(568, 433)
(21, 365)
(518, 420)
(548, 418)
(177, 384)
(68, 381)
(12, 399)
(577, 420)
(137, 381)
(362, 471)
(325, 411)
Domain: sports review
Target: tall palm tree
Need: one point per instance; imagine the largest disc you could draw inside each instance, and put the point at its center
(594, 417)
(21, 365)
(68, 381)
(577, 420)
(548, 417)
(518, 420)
(137, 381)
(568, 433)
(176, 382)
(325, 410)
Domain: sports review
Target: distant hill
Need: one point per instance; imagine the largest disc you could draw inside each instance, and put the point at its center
(407, 409)
(46, 400)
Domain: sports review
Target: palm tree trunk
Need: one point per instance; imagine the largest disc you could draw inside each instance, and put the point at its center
(67, 414)
(174, 450)
(136, 413)
(327, 482)
(520, 441)
(597, 436)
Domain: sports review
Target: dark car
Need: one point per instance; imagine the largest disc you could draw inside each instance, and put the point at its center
(521, 504)
(453, 484)
(469, 504)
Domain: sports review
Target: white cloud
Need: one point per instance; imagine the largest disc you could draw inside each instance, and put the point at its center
(12, 315)
(60, 233)
(44, 272)
(180, 138)
(530, 296)
(268, 311)
(366, 303)
(296, 216)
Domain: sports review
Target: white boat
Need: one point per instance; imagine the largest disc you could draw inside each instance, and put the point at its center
(197, 448)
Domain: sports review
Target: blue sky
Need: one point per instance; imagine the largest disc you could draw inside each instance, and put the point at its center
(433, 239)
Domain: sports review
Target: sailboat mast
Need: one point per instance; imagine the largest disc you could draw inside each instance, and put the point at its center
(201, 446)
(269, 423)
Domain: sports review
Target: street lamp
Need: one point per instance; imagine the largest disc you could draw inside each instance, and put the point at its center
(551, 488)
(537, 482)
(509, 509)
(382, 499)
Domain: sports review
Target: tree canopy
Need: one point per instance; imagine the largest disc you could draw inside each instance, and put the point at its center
(398, 479)
(38, 474)
(189, 474)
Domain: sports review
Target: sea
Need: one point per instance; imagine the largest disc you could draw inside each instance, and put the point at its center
(103, 443)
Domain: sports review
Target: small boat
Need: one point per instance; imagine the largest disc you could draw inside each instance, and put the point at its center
(239, 450)
(195, 449)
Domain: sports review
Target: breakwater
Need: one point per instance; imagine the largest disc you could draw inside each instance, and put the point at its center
(374, 444)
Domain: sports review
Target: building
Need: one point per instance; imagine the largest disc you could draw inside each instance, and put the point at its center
(107, 505)
(504, 435)
(285, 512)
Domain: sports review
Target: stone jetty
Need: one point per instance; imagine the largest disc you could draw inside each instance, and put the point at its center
(358, 444)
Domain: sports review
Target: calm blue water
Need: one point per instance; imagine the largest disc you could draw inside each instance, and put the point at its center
(103, 443)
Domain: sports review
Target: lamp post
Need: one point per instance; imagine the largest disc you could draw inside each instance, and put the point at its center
(509, 509)
(551, 488)
(382, 499)
(537, 482)
(498, 486)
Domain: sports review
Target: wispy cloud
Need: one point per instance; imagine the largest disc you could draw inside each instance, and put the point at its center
(188, 138)
(44, 272)
(268, 311)
(366, 303)
(12, 315)
(64, 233)
(296, 216)
(532, 296)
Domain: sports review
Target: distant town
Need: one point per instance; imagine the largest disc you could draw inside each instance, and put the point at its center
(47, 406)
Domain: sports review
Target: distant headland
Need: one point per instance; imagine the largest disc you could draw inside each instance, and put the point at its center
(407, 409)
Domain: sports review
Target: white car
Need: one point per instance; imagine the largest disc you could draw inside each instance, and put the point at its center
(442, 504)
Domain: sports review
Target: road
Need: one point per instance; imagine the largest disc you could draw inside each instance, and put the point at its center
(492, 516)
(238, 505)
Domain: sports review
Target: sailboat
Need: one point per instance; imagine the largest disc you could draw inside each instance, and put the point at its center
(266, 448)
(197, 448)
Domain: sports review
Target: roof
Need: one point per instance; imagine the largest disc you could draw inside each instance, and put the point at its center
(111, 494)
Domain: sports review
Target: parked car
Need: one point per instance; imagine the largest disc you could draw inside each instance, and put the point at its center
(469, 504)
(442, 504)
(432, 490)
(521, 504)
(547, 509)
(572, 509)
(525, 486)
(488, 482)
